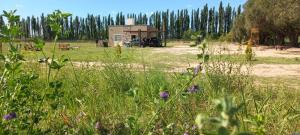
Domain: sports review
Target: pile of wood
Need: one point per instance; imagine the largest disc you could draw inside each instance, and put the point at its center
(29, 47)
(64, 47)
(101, 43)
(282, 47)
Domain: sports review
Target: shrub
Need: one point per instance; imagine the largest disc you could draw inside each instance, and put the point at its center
(249, 52)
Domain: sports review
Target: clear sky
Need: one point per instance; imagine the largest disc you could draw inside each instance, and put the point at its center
(104, 7)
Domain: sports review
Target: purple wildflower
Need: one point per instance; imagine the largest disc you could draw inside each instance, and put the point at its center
(193, 89)
(197, 69)
(10, 116)
(164, 95)
(186, 133)
(194, 127)
(98, 126)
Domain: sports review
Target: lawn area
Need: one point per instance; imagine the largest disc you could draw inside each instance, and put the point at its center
(89, 52)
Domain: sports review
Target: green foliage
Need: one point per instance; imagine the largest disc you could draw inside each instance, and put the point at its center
(239, 31)
(226, 38)
(203, 56)
(19, 97)
(226, 123)
(275, 20)
(190, 35)
(118, 77)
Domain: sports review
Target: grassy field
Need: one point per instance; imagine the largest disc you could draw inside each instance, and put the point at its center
(116, 98)
(89, 52)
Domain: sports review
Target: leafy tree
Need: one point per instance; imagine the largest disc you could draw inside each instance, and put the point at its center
(275, 19)
(239, 31)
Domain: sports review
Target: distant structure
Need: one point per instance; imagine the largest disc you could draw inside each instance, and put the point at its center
(120, 34)
(130, 21)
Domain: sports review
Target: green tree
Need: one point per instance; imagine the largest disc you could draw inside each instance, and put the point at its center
(228, 19)
(275, 19)
(204, 19)
(211, 21)
(221, 19)
(239, 31)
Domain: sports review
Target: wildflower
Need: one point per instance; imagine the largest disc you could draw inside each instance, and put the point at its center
(186, 133)
(10, 116)
(197, 69)
(194, 127)
(98, 125)
(164, 95)
(193, 89)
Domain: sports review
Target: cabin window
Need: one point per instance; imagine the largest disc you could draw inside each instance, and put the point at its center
(118, 37)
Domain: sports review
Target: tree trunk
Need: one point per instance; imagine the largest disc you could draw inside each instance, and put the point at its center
(280, 39)
(294, 40)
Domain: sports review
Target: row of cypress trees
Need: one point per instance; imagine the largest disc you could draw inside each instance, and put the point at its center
(207, 21)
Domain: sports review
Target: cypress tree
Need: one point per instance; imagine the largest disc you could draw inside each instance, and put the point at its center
(172, 24)
(221, 19)
(228, 17)
(1, 21)
(216, 23)
(211, 22)
(239, 10)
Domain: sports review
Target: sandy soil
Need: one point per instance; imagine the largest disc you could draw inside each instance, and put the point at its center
(216, 48)
(270, 70)
(262, 70)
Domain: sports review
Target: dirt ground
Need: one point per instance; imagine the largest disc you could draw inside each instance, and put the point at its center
(262, 70)
(277, 70)
(260, 51)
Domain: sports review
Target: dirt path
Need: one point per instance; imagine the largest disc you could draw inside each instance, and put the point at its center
(261, 51)
(276, 70)
(261, 70)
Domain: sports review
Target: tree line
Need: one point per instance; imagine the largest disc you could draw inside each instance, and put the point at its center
(213, 22)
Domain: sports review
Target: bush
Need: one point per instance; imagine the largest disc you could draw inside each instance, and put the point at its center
(249, 52)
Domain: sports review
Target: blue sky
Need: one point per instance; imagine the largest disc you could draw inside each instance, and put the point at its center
(104, 7)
